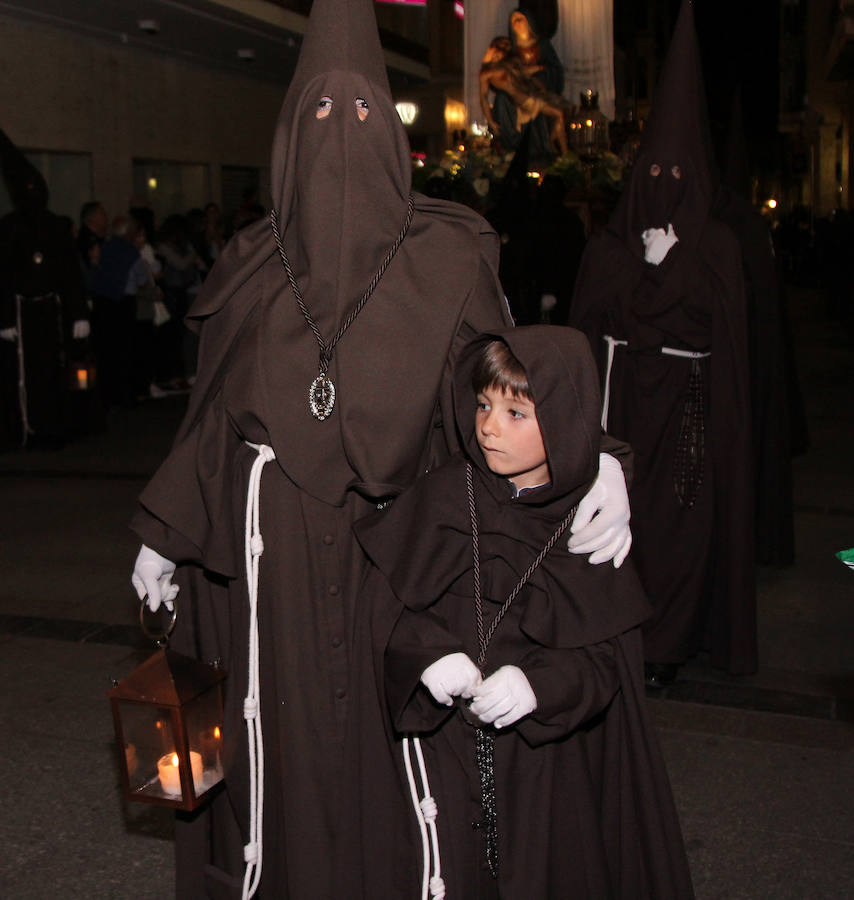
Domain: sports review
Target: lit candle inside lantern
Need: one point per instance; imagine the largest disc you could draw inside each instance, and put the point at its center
(169, 772)
(83, 379)
(210, 741)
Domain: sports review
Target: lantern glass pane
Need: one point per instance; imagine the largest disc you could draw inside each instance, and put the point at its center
(149, 738)
(203, 724)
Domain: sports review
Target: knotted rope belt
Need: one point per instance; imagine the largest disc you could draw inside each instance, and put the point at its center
(691, 443)
(254, 547)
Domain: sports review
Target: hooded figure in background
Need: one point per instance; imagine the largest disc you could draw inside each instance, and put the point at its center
(42, 306)
(583, 803)
(661, 296)
(326, 335)
(777, 414)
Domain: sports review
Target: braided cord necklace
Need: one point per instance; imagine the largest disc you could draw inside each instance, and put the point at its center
(321, 392)
(485, 738)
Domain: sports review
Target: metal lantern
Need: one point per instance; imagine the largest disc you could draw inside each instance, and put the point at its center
(168, 719)
(588, 130)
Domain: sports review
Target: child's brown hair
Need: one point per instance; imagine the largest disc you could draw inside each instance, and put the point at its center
(498, 368)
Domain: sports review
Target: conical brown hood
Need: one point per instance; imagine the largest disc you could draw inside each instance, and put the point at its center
(340, 183)
(677, 134)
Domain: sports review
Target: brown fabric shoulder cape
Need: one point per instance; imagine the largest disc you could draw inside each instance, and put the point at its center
(329, 459)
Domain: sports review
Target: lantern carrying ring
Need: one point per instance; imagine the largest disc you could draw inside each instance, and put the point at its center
(162, 637)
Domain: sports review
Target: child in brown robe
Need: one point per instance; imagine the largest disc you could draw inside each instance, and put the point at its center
(525, 684)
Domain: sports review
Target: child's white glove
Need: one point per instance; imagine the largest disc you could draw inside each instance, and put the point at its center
(454, 675)
(607, 535)
(504, 697)
(657, 243)
(152, 575)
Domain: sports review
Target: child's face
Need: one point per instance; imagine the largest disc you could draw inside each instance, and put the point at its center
(509, 436)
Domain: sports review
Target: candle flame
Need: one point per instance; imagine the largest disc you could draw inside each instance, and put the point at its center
(174, 759)
(217, 732)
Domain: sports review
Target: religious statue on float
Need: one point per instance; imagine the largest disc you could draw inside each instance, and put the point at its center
(524, 76)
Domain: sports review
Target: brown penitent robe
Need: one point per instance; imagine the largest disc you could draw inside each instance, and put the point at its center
(584, 806)
(696, 561)
(341, 186)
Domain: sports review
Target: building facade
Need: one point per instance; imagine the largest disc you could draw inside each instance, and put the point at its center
(178, 108)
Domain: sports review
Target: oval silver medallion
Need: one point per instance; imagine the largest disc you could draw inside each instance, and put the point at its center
(321, 397)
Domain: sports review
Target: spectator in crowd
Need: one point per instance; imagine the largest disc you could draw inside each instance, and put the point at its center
(94, 224)
(150, 308)
(116, 280)
(214, 230)
(180, 281)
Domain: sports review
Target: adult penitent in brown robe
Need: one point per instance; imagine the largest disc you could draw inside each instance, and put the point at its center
(692, 496)
(584, 807)
(341, 186)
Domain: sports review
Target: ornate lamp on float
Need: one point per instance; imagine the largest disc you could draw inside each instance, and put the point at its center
(168, 720)
(588, 130)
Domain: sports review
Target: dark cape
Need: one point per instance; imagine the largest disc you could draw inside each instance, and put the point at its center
(332, 825)
(696, 561)
(774, 394)
(584, 804)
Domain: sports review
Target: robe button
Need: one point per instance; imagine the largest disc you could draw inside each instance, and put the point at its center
(328, 539)
(336, 642)
(333, 590)
(340, 693)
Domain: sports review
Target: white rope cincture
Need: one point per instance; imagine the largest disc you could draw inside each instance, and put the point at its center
(426, 811)
(612, 343)
(254, 547)
(686, 354)
(26, 431)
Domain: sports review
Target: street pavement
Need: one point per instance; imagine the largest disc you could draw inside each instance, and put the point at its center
(762, 767)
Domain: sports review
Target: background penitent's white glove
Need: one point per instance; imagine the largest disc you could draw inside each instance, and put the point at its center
(152, 575)
(504, 698)
(80, 330)
(657, 243)
(9, 334)
(606, 535)
(454, 675)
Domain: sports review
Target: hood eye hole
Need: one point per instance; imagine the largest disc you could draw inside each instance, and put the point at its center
(676, 172)
(655, 170)
(324, 107)
(362, 108)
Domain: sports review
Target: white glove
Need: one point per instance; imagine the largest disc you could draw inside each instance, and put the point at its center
(152, 575)
(504, 697)
(657, 243)
(80, 329)
(607, 536)
(454, 675)
(9, 334)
